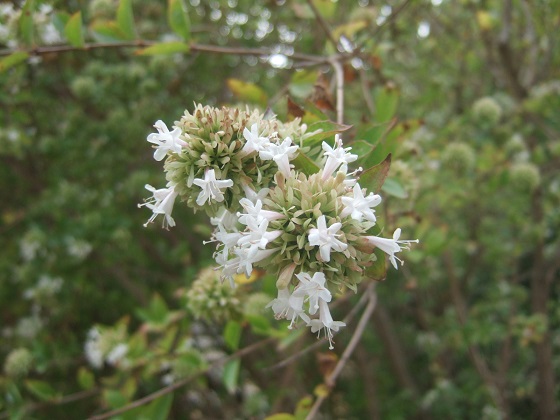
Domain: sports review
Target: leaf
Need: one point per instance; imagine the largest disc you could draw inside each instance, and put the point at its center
(386, 101)
(350, 29)
(59, 20)
(378, 270)
(248, 92)
(107, 31)
(231, 375)
(12, 60)
(26, 22)
(374, 177)
(156, 312)
(41, 389)
(114, 398)
(321, 390)
(232, 334)
(281, 416)
(125, 19)
(73, 30)
(86, 378)
(394, 188)
(326, 8)
(305, 164)
(302, 83)
(165, 48)
(259, 324)
(328, 129)
(159, 408)
(303, 407)
(178, 19)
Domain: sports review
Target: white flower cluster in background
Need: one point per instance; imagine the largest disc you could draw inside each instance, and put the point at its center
(313, 229)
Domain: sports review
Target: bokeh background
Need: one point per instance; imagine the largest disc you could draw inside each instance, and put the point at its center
(468, 328)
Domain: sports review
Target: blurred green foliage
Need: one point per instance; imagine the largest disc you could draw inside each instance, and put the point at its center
(465, 97)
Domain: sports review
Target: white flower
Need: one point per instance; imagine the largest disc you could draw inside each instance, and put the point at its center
(325, 321)
(92, 348)
(161, 202)
(281, 154)
(165, 140)
(252, 195)
(286, 307)
(255, 142)
(391, 246)
(326, 238)
(312, 289)
(211, 187)
(359, 206)
(226, 219)
(117, 354)
(257, 237)
(336, 156)
(255, 211)
(244, 263)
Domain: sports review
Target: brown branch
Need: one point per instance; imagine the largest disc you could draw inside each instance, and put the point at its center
(356, 337)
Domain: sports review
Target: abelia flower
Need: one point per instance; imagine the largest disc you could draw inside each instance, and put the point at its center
(281, 154)
(312, 289)
(359, 207)
(336, 157)
(255, 142)
(211, 188)
(165, 140)
(161, 202)
(325, 322)
(326, 238)
(391, 246)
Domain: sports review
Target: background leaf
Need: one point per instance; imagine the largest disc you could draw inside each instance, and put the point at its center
(73, 30)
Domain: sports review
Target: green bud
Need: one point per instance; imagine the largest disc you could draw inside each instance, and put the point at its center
(18, 363)
(459, 157)
(487, 110)
(212, 299)
(524, 177)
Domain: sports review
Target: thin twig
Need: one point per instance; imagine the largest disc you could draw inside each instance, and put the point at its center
(339, 77)
(323, 23)
(168, 389)
(356, 337)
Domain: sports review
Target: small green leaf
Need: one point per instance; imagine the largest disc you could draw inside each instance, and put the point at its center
(374, 177)
(156, 312)
(107, 31)
(302, 83)
(165, 48)
(303, 407)
(114, 398)
(12, 60)
(386, 101)
(328, 129)
(125, 19)
(305, 164)
(231, 375)
(281, 416)
(260, 324)
(26, 22)
(248, 92)
(159, 408)
(41, 389)
(59, 20)
(73, 30)
(86, 379)
(232, 334)
(178, 19)
(394, 188)
(378, 270)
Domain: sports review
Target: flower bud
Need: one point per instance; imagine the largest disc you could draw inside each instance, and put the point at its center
(18, 363)
(459, 156)
(524, 177)
(487, 110)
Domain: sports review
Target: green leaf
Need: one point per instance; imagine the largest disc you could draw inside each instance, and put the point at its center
(41, 389)
(303, 407)
(165, 48)
(159, 408)
(232, 334)
(114, 398)
(248, 92)
(107, 31)
(378, 270)
(260, 324)
(12, 60)
(394, 188)
(231, 375)
(59, 20)
(386, 101)
(26, 22)
(305, 164)
(86, 379)
(302, 83)
(281, 416)
(328, 130)
(156, 312)
(125, 19)
(374, 177)
(178, 19)
(73, 30)
(327, 8)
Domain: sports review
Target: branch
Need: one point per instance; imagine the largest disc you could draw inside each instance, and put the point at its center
(356, 337)
(323, 23)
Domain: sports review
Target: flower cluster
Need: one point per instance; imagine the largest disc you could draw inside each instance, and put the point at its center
(313, 229)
